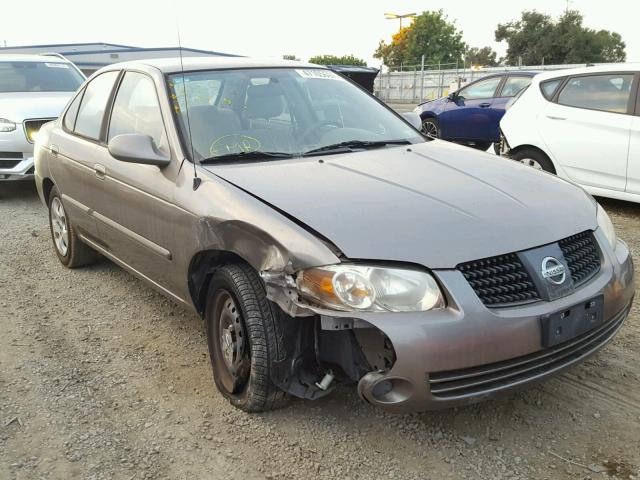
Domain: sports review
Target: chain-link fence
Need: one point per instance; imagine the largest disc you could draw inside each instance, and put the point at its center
(417, 83)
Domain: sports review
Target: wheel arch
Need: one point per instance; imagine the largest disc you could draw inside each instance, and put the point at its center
(47, 186)
(201, 269)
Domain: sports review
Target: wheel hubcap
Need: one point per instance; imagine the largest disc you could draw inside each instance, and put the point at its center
(430, 129)
(233, 344)
(530, 162)
(59, 227)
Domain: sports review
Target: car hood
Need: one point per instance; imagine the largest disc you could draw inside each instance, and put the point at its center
(18, 106)
(435, 204)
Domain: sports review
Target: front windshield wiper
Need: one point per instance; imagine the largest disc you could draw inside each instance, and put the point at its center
(250, 155)
(349, 145)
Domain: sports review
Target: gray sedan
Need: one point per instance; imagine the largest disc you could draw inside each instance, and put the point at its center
(323, 239)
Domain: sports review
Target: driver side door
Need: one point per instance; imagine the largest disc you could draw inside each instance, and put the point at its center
(469, 115)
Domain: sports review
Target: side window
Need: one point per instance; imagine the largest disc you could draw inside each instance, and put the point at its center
(513, 85)
(72, 112)
(136, 109)
(482, 89)
(94, 102)
(609, 93)
(549, 87)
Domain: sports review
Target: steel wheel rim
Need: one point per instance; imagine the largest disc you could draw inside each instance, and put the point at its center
(234, 364)
(430, 129)
(530, 162)
(59, 226)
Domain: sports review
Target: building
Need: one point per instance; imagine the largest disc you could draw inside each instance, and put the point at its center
(89, 57)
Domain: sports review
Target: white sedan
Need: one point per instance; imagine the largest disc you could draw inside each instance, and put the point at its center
(583, 125)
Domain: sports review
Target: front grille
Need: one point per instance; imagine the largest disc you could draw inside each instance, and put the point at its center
(11, 155)
(500, 281)
(492, 377)
(582, 256)
(8, 163)
(33, 126)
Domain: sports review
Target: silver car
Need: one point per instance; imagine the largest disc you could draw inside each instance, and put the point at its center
(33, 91)
(324, 240)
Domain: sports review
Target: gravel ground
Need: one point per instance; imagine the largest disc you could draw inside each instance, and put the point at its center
(102, 378)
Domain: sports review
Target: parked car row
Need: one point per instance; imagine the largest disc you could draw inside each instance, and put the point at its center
(580, 124)
(323, 239)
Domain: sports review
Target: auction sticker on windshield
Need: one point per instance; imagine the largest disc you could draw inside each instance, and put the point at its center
(317, 73)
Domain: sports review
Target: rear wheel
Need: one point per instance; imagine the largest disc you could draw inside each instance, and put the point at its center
(430, 127)
(243, 333)
(69, 248)
(535, 159)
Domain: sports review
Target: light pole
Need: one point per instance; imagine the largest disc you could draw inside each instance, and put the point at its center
(394, 16)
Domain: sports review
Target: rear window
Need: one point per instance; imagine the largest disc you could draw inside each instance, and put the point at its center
(39, 77)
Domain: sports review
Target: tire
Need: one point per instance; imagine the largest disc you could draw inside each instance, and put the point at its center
(430, 127)
(534, 158)
(69, 249)
(240, 316)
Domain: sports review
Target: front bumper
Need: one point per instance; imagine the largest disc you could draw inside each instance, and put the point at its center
(467, 352)
(16, 156)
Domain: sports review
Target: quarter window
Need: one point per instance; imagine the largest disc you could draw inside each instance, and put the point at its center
(609, 93)
(513, 86)
(482, 89)
(549, 87)
(94, 102)
(72, 112)
(136, 109)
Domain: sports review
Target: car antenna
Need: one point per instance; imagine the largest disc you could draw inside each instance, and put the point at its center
(196, 180)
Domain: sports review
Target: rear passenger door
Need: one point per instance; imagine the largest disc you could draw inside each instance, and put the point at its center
(512, 86)
(74, 148)
(586, 128)
(136, 215)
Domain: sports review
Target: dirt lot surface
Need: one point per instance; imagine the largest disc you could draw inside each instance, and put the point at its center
(102, 378)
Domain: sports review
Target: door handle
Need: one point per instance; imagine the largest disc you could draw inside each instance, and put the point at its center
(485, 105)
(100, 171)
(54, 150)
(552, 117)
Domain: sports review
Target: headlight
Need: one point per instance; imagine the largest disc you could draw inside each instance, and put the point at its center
(368, 288)
(604, 223)
(7, 125)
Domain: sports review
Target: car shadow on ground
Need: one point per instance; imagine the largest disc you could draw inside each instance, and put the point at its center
(18, 189)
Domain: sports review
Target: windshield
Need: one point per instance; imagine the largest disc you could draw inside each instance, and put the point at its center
(39, 77)
(282, 111)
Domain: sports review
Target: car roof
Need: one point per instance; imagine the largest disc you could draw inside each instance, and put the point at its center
(9, 57)
(611, 67)
(175, 65)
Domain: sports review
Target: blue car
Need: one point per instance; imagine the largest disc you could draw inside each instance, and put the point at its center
(472, 114)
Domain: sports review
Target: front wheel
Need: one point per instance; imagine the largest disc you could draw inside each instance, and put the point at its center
(430, 127)
(244, 335)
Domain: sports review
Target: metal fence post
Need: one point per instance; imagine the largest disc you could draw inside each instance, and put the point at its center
(422, 79)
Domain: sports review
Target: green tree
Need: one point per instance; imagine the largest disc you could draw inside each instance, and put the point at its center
(335, 60)
(485, 57)
(431, 34)
(537, 38)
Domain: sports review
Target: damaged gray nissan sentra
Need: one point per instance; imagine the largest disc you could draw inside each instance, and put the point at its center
(323, 239)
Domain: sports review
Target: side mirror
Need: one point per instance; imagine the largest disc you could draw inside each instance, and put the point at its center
(453, 96)
(136, 148)
(414, 119)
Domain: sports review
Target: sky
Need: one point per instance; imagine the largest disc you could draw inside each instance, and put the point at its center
(271, 28)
